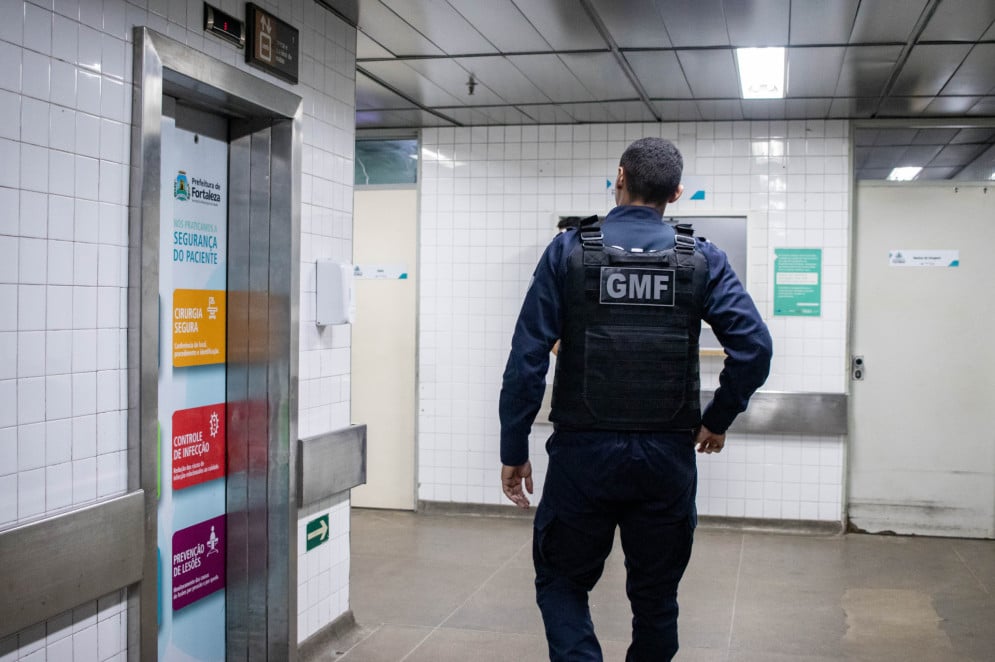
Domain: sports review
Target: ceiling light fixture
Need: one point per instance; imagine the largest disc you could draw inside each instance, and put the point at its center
(761, 72)
(904, 174)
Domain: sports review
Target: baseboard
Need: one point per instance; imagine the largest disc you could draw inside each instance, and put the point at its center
(802, 527)
(316, 646)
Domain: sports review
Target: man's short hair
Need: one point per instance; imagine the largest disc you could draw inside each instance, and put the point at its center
(652, 168)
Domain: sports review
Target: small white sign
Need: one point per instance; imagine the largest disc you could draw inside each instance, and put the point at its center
(914, 257)
(380, 271)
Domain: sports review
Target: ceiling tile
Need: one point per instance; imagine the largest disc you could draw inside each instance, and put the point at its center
(501, 76)
(720, 109)
(711, 73)
(636, 25)
(659, 73)
(562, 23)
(601, 74)
(632, 111)
(410, 83)
(677, 111)
(396, 119)
(903, 106)
(974, 135)
(934, 136)
(814, 72)
(853, 107)
(367, 48)
(881, 21)
(547, 114)
(864, 137)
(764, 109)
(811, 108)
(920, 155)
(468, 116)
(548, 73)
(370, 94)
(821, 22)
(933, 174)
(754, 23)
(976, 74)
(694, 22)
(959, 20)
(506, 115)
(502, 24)
(591, 112)
(950, 105)
(453, 78)
(985, 107)
(885, 157)
(957, 155)
(929, 67)
(890, 136)
(386, 28)
(866, 70)
(443, 25)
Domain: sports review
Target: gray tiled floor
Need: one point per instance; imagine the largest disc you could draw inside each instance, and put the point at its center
(459, 588)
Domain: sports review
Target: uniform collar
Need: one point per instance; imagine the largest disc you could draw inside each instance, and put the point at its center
(634, 213)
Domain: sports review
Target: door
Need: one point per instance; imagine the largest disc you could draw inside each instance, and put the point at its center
(922, 453)
(385, 237)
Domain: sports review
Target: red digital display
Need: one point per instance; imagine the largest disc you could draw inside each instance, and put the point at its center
(224, 25)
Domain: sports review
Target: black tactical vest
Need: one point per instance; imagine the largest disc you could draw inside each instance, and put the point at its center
(628, 357)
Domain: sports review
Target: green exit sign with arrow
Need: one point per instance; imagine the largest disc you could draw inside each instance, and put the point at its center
(317, 532)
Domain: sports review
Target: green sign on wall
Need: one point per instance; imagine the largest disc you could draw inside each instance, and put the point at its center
(317, 532)
(798, 281)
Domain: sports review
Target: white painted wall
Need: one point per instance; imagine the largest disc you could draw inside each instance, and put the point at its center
(383, 352)
(922, 451)
(487, 210)
(65, 113)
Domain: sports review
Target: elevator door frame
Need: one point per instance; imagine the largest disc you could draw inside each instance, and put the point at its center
(265, 122)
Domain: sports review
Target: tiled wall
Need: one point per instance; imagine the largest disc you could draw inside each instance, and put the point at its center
(489, 197)
(65, 113)
(323, 572)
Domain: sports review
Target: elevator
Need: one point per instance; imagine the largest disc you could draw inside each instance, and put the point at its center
(213, 346)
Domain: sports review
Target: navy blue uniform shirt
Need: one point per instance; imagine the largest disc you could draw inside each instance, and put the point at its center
(728, 309)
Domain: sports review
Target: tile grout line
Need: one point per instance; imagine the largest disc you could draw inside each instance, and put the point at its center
(351, 648)
(971, 570)
(468, 598)
(735, 596)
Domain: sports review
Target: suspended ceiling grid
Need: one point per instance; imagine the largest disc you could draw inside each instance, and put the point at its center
(564, 61)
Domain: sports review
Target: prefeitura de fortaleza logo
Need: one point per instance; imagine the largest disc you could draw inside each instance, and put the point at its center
(181, 187)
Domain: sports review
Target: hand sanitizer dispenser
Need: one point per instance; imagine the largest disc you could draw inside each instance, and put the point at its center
(334, 289)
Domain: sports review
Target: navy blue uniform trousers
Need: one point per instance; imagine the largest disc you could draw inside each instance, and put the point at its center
(643, 483)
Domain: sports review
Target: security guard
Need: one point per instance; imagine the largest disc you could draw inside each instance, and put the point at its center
(626, 297)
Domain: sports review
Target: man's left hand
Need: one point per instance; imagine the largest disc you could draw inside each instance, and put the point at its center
(708, 442)
(511, 482)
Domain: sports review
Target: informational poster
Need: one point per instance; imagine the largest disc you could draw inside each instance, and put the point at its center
(911, 257)
(192, 410)
(798, 281)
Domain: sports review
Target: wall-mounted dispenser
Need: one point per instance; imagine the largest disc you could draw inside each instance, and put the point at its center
(335, 302)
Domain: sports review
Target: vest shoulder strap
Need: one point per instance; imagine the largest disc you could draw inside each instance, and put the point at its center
(684, 237)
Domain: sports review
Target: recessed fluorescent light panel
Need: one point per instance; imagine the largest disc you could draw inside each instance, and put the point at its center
(903, 174)
(761, 72)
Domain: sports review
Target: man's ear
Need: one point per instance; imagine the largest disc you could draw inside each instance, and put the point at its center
(620, 179)
(677, 194)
